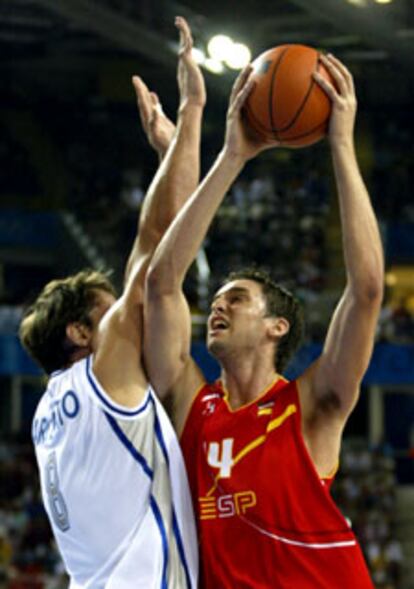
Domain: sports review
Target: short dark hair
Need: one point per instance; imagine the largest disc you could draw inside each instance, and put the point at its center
(43, 328)
(280, 302)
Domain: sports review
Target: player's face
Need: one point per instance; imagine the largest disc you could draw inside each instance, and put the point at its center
(237, 319)
(84, 336)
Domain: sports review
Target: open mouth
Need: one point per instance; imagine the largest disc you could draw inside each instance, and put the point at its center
(219, 325)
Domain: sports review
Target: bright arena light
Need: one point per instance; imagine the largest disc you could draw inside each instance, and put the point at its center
(198, 55)
(214, 66)
(239, 56)
(219, 47)
(383, 1)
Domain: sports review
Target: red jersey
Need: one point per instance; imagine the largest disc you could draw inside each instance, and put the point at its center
(265, 518)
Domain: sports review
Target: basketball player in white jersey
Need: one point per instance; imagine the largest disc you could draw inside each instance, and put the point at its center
(112, 475)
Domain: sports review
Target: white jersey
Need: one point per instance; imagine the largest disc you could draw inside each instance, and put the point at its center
(114, 487)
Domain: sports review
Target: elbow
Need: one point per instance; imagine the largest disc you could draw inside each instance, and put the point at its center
(154, 280)
(160, 280)
(370, 290)
(374, 287)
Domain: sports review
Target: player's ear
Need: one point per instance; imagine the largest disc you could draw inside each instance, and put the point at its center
(278, 327)
(78, 333)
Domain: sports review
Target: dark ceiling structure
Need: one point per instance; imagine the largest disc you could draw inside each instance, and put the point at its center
(45, 42)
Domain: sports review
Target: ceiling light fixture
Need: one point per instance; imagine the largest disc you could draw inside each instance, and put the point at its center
(358, 2)
(219, 47)
(238, 57)
(213, 65)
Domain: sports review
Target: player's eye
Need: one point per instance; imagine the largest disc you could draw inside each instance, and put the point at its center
(236, 298)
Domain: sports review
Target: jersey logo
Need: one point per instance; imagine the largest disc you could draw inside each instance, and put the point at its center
(229, 505)
(210, 403)
(265, 408)
(221, 457)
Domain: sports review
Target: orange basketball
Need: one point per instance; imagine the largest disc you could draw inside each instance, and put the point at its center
(286, 104)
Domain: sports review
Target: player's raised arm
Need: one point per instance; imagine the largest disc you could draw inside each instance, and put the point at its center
(330, 388)
(117, 361)
(167, 316)
(178, 150)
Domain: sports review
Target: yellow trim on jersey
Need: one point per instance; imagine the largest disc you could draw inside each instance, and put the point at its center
(272, 425)
(247, 449)
(226, 394)
(264, 411)
(275, 423)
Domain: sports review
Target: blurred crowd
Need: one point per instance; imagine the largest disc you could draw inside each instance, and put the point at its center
(281, 213)
(28, 555)
(282, 223)
(365, 489)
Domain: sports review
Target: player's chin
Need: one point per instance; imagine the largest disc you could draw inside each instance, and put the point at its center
(214, 346)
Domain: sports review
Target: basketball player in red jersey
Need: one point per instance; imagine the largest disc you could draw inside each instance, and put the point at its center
(260, 451)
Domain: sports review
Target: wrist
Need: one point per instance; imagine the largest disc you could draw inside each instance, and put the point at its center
(341, 139)
(342, 144)
(191, 107)
(233, 158)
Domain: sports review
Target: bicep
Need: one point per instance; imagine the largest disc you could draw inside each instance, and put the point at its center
(117, 359)
(346, 352)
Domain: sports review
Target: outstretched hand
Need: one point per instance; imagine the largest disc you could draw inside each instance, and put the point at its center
(190, 79)
(240, 140)
(157, 126)
(342, 95)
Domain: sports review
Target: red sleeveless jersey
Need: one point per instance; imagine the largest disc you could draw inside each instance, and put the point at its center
(265, 518)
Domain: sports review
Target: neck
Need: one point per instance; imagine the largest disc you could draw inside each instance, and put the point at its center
(246, 381)
(78, 354)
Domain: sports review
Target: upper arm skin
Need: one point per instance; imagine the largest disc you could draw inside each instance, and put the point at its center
(167, 343)
(329, 389)
(346, 352)
(118, 363)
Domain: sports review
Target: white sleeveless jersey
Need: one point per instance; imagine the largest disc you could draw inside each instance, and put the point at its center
(114, 487)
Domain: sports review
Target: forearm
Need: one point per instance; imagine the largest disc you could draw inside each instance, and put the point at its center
(175, 180)
(184, 237)
(178, 175)
(363, 253)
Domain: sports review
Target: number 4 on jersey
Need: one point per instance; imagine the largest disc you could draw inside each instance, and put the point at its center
(220, 456)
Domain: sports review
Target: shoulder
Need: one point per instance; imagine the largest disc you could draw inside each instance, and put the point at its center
(207, 395)
(205, 402)
(282, 391)
(107, 402)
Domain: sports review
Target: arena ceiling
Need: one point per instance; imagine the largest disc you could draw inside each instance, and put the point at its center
(54, 46)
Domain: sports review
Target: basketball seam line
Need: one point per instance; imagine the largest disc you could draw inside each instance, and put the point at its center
(267, 132)
(302, 106)
(275, 68)
(295, 137)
